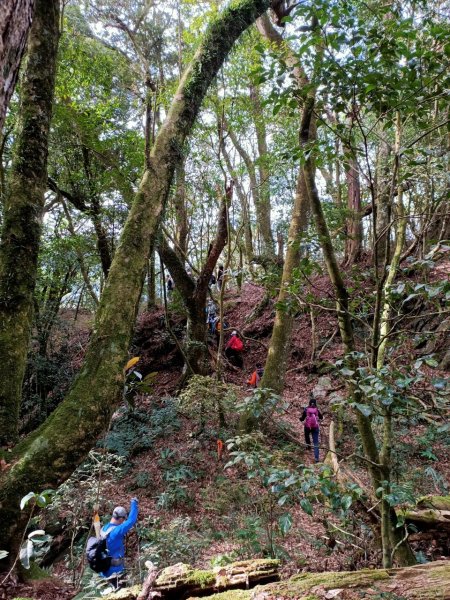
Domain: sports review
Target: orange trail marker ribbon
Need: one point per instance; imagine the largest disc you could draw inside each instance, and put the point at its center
(219, 449)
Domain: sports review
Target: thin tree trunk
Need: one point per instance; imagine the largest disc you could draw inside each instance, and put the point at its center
(264, 220)
(23, 213)
(51, 453)
(151, 280)
(179, 201)
(248, 237)
(15, 23)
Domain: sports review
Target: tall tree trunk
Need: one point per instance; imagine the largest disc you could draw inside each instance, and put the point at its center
(15, 22)
(95, 212)
(278, 354)
(382, 216)
(151, 279)
(246, 225)
(179, 201)
(23, 213)
(51, 453)
(353, 242)
(263, 209)
(264, 227)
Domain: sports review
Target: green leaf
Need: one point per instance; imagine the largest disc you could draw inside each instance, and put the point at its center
(346, 502)
(364, 409)
(431, 362)
(285, 523)
(26, 499)
(306, 506)
(347, 372)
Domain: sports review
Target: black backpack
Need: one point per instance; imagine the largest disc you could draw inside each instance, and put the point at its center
(97, 552)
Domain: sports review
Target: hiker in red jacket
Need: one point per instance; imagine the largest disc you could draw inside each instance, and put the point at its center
(233, 350)
(311, 416)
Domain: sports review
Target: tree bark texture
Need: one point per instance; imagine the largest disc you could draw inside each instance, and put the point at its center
(15, 23)
(21, 232)
(51, 453)
(353, 242)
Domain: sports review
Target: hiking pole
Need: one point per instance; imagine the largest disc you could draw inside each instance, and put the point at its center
(139, 553)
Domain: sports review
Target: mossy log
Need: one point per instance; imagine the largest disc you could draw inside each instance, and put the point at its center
(420, 582)
(182, 581)
(430, 511)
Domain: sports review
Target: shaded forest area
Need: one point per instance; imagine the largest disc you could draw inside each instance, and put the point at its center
(176, 176)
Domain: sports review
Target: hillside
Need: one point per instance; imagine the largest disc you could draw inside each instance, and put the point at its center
(196, 509)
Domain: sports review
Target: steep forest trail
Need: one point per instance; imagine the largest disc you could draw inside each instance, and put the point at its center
(190, 507)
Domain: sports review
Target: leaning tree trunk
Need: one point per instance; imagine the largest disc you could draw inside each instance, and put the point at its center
(52, 452)
(15, 22)
(19, 245)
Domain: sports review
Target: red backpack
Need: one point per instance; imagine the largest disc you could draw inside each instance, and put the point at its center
(236, 344)
(312, 417)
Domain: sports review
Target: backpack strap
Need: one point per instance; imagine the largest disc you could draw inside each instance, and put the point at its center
(104, 534)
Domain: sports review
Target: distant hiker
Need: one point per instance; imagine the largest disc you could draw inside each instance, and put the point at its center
(226, 326)
(233, 350)
(115, 532)
(311, 417)
(220, 277)
(256, 376)
(170, 286)
(212, 280)
(211, 316)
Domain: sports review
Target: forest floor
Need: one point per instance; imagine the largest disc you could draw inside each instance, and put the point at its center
(194, 510)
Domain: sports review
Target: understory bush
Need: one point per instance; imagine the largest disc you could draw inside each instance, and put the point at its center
(176, 542)
(134, 431)
(207, 400)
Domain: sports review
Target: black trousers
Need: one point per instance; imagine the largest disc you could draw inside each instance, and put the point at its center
(234, 357)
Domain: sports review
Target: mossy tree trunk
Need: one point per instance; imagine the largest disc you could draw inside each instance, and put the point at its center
(15, 23)
(278, 354)
(194, 293)
(53, 451)
(24, 205)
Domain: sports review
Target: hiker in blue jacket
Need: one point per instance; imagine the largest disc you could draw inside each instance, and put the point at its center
(115, 532)
(311, 417)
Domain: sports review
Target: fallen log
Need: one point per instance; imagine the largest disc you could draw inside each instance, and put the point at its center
(421, 582)
(182, 581)
(429, 512)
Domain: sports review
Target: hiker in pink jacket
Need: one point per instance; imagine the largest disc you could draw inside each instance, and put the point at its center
(311, 417)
